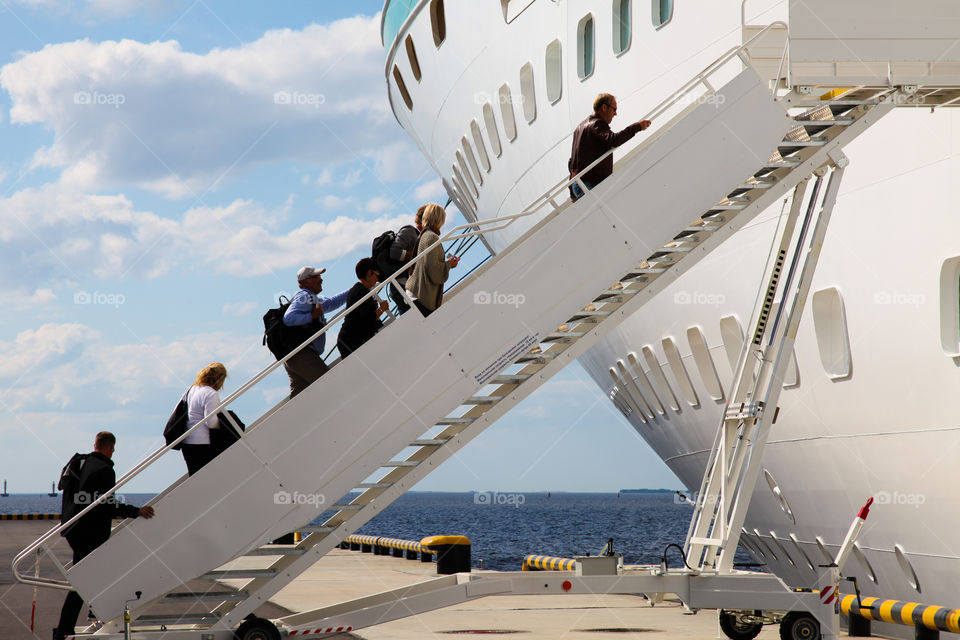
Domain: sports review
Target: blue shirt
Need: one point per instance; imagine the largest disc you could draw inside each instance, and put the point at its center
(300, 312)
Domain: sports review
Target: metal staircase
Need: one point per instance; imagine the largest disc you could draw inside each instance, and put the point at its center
(383, 418)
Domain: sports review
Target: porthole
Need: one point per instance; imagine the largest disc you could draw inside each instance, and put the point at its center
(621, 25)
(823, 550)
(412, 56)
(862, 559)
(680, 374)
(554, 71)
(833, 340)
(465, 174)
(402, 88)
(653, 363)
(908, 571)
(506, 110)
(620, 404)
(783, 549)
(644, 382)
(641, 397)
(471, 160)
(701, 356)
(585, 47)
(778, 494)
(481, 148)
(528, 94)
(662, 12)
(626, 395)
(438, 21)
(731, 333)
(492, 134)
(791, 377)
(763, 543)
(801, 551)
(949, 306)
(462, 182)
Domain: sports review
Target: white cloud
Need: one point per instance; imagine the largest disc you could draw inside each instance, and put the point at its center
(41, 296)
(379, 204)
(325, 178)
(240, 309)
(179, 123)
(54, 235)
(107, 8)
(430, 191)
(335, 203)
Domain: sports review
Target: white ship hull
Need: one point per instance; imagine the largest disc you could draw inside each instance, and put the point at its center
(874, 409)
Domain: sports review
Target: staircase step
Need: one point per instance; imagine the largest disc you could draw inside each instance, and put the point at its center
(317, 528)
(374, 485)
(535, 358)
(401, 463)
(230, 574)
(727, 207)
(483, 400)
(516, 378)
(596, 315)
(452, 421)
(276, 550)
(564, 336)
(209, 596)
(757, 185)
(358, 507)
(437, 442)
(836, 122)
(782, 164)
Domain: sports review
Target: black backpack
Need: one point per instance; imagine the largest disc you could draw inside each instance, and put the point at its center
(380, 252)
(69, 485)
(275, 334)
(280, 338)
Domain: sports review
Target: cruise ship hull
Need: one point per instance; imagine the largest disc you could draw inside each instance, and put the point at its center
(870, 404)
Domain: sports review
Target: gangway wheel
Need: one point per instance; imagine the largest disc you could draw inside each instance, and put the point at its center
(736, 628)
(254, 628)
(799, 625)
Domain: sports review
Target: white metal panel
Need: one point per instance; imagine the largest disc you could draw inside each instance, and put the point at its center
(855, 39)
(374, 403)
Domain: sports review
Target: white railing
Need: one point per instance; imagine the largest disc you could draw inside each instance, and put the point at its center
(469, 230)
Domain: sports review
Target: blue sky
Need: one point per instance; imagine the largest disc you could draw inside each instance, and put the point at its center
(156, 196)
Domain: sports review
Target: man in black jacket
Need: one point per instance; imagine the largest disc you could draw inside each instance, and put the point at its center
(593, 138)
(96, 477)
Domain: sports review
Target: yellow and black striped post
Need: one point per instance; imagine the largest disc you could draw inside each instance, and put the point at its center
(907, 613)
(548, 563)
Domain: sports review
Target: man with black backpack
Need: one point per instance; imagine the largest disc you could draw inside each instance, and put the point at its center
(303, 318)
(392, 251)
(85, 478)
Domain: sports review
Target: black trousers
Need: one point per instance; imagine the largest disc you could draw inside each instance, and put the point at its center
(397, 297)
(197, 455)
(423, 309)
(82, 546)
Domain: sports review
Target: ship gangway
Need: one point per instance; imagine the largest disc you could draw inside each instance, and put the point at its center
(419, 391)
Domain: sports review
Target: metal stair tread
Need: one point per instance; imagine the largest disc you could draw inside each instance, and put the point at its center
(229, 574)
(275, 550)
(209, 596)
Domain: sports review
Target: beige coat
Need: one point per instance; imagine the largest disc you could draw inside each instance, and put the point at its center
(426, 283)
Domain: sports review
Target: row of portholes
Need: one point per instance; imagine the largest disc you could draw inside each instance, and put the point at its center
(646, 391)
(467, 176)
(637, 395)
(762, 550)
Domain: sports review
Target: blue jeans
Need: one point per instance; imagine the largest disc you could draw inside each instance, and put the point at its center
(576, 192)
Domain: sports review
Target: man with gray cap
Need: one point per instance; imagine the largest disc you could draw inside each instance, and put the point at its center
(305, 317)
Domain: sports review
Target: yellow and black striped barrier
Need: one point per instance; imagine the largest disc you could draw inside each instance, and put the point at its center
(29, 516)
(381, 546)
(548, 563)
(899, 612)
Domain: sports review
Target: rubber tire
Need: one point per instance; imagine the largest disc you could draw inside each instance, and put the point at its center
(736, 630)
(799, 625)
(257, 629)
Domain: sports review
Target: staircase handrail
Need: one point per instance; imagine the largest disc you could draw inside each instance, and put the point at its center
(500, 223)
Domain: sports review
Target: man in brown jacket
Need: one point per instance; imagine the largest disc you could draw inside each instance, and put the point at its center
(593, 138)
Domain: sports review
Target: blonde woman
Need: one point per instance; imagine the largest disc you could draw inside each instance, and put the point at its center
(202, 398)
(431, 272)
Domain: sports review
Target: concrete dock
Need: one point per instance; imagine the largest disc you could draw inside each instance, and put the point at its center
(343, 575)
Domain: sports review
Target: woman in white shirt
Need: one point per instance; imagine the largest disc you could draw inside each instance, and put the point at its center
(202, 398)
